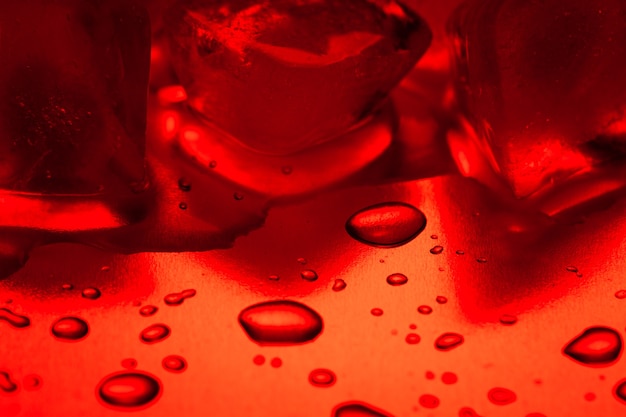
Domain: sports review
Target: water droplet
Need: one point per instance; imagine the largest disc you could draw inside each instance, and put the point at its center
(434, 237)
(309, 275)
(238, 196)
(501, 396)
(129, 390)
(481, 260)
(155, 333)
(429, 401)
(91, 293)
(70, 329)
(535, 415)
(449, 378)
(281, 322)
(301, 261)
(177, 298)
(358, 409)
(441, 299)
(273, 277)
(339, 285)
(182, 206)
(460, 252)
(386, 225)
(129, 363)
(619, 391)
(590, 396)
(184, 185)
(620, 295)
(32, 382)
(287, 170)
(13, 319)
(212, 164)
(412, 338)
(596, 346)
(448, 341)
(424, 309)
(258, 360)
(468, 412)
(508, 319)
(397, 279)
(571, 269)
(174, 363)
(276, 362)
(436, 250)
(412, 326)
(7, 384)
(67, 287)
(148, 310)
(323, 378)
(105, 268)
(376, 312)
(430, 375)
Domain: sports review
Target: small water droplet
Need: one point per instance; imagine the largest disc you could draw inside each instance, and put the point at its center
(129, 363)
(148, 310)
(448, 341)
(174, 363)
(434, 237)
(508, 319)
(571, 268)
(212, 164)
(70, 329)
(620, 295)
(301, 261)
(67, 287)
(309, 275)
(534, 415)
(377, 312)
(596, 346)
(91, 293)
(258, 360)
(501, 396)
(276, 362)
(105, 268)
(273, 277)
(238, 196)
(397, 279)
(322, 378)
(155, 333)
(182, 205)
(412, 326)
(429, 401)
(281, 322)
(619, 391)
(184, 185)
(441, 299)
(481, 260)
(358, 409)
(449, 378)
(436, 250)
(386, 225)
(339, 285)
(15, 320)
(7, 385)
(424, 309)
(32, 382)
(468, 412)
(129, 390)
(460, 252)
(590, 396)
(412, 338)
(177, 298)
(430, 375)
(287, 170)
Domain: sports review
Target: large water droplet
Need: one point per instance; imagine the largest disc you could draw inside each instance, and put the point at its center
(70, 329)
(309, 275)
(339, 285)
(7, 385)
(620, 391)
(376, 311)
(129, 391)
(397, 279)
(448, 341)
(436, 250)
(501, 396)
(424, 309)
(174, 363)
(281, 322)
(596, 346)
(177, 298)
(13, 319)
(412, 338)
(441, 299)
(91, 293)
(358, 409)
(323, 378)
(155, 333)
(386, 225)
(449, 378)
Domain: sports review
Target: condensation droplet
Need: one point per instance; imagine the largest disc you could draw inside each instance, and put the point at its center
(287, 170)
(429, 401)
(148, 310)
(309, 275)
(184, 185)
(301, 261)
(15, 320)
(571, 268)
(238, 196)
(70, 329)
(276, 362)
(182, 205)
(358, 409)
(376, 312)
(508, 319)
(481, 260)
(412, 338)
(212, 164)
(258, 360)
(177, 298)
(430, 375)
(468, 412)
(339, 285)
(424, 309)
(323, 378)
(460, 252)
(155, 333)
(590, 396)
(434, 237)
(534, 415)
(397, 279)
(448, 341)
(281, 322)
(7, 385)
(129, 390)
(436, 250)
(32, 382)
(441, 299)
(595, 346)
(501, 396)
(105, 268)
(174, 363)
(91, 293)
(449, 378)
(619, 391)
(620, 295)
(386, 225)
(129, 363)
(67, 287)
